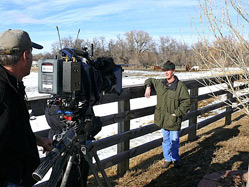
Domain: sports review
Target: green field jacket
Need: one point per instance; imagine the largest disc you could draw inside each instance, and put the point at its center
(170, 100)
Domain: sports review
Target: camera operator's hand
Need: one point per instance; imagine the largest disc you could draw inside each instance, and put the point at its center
(147, 92)
(46, 143)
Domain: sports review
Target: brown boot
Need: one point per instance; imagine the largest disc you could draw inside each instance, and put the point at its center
(166, 164)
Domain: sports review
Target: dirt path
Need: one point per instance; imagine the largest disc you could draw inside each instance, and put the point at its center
(217, 148)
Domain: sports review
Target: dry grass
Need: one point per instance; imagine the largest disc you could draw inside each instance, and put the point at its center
(217, 148)
(206, 102)
(34, 69)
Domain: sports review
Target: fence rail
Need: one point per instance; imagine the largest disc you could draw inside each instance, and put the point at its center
(125, 114)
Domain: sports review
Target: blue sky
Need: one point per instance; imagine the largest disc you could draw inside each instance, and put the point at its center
(96, 18)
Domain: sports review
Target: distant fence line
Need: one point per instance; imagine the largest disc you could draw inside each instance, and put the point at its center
(125, 114)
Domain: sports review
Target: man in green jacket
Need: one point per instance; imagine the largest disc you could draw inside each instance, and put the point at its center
(173, 102)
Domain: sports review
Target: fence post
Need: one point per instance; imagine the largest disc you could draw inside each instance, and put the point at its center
(228, 117)
(194, 106)
(124, 146)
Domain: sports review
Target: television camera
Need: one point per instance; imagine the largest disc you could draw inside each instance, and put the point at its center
(76, 83)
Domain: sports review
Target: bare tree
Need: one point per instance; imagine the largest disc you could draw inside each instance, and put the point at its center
(167, 48)
(100, 47)
(138, 42)
(228, 46)
(119, 50)
(170, 49)
(65, 42)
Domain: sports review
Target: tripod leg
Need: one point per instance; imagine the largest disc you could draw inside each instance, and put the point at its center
(88, 159)
(67, 172)
(57, 170)
(101, 169)
(84, 171)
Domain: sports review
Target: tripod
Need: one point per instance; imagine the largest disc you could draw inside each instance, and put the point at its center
(80, 154)
(70, 147)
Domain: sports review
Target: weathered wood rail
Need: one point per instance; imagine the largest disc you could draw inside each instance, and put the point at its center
(125, 114)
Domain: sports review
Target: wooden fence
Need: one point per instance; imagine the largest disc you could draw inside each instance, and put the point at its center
(125, 114)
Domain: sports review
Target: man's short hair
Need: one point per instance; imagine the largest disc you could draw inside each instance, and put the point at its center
(9, 59)
(12, 45)
(168, 66)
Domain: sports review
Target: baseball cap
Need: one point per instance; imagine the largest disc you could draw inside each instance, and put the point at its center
(168, 66)
(14, 42)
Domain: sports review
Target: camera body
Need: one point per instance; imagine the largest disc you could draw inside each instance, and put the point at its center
(56, 76)
(74, 73)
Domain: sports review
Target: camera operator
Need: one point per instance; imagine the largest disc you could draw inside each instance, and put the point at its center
(18, 145)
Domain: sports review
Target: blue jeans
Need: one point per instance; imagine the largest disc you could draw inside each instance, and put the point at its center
(170, 145)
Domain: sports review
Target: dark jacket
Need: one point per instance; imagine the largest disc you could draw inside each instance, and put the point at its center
(18, 151)
(171, 99)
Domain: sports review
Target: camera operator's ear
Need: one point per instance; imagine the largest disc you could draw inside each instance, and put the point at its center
(25, 55)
